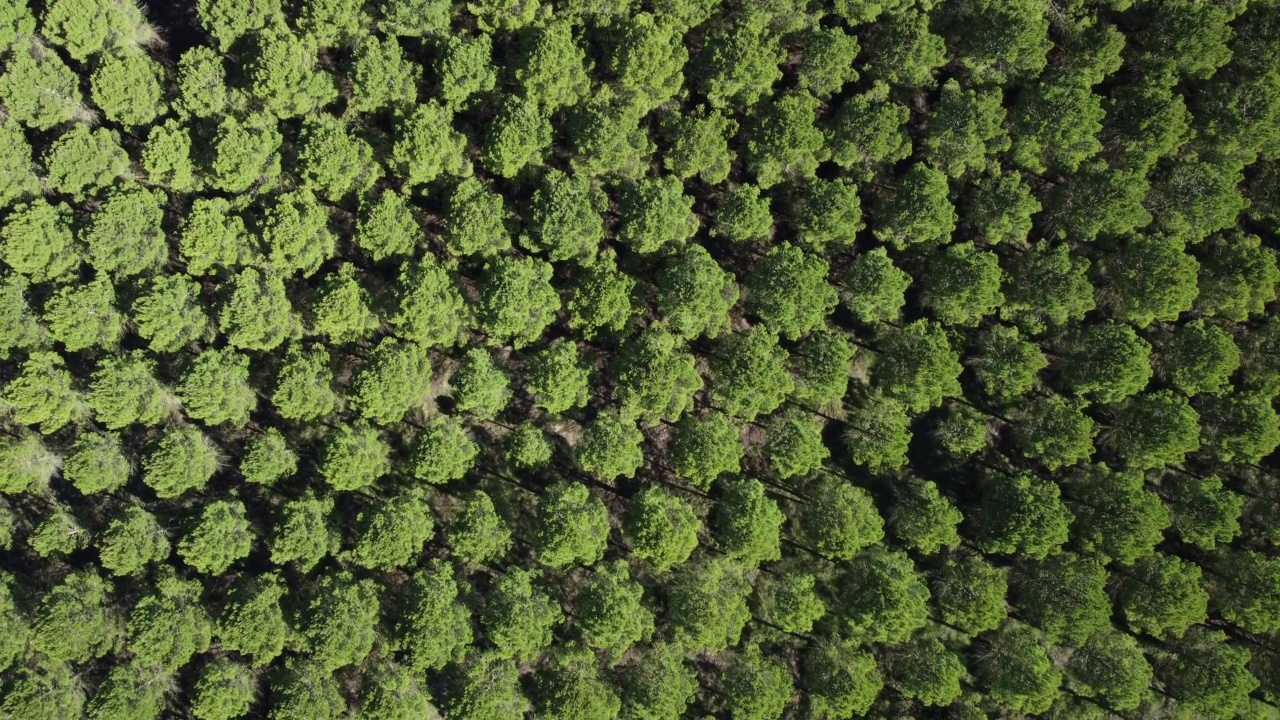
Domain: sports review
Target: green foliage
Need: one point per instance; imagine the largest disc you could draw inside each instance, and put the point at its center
(829, 213)
(695, 295)
(962, 285)
(1238, 278)
(661, 528)
(1163, 596)
(740, 61)
(283, 75)
(601, 298)
(750, 376)
(917, 366)
(925, 520)
(390, 534)
(517, 302)
(267, 458)
(75, 622)
(125, 237)
(221, 536)
(519, 617)
(755, 686)
(215, 388)
(83, 160)
(45, 692)
(879, 434)
(19, 326)
(303, 386)
(550, 65)
(38, 241)
(475, 220)
(565, 218)
(791, 601)
(904, 52)
(342, 620)
(1016, 671)
(969, 593)
(704, 448)
(827, 62)
(787, 289)
(443, 451)
(202, 83)
(428, 307)
(169, 314)
(1004, 40)
(700, 144)
(610, 611)
(656, 376)
(84, 316)
(1115, 517)
(59, 534)
(1006, 364)
(655, 212)
(21, 181)
(478, 534)
(167, 158)
(868, 131)
(1065, 596)
(882, 597)
(131, 691)
(246, 153)
(1205, 513)
(340, 309)
(353, 457)
(1239, 427)
(1107, 360)
(528, 447)
(480, 387)
(96, 463)
(795, 447)
(224, 690)
(965, 127)
(1207, 675)
(466, 68)
(659, 684)
(927, 671)
(394, 380)
(1149, 278)
(874, 288)
(124, 391)
(784, 142)
(707, 604)
(301, 533)
(1051, 289)
(252, 621)
(748, 524)
(1055, 431)
(841, 680)
(43, 394)
(129, 88)
(169, 625)
(743, 216)
(1001, 209)
(518, 137)
(1023, 514)
(427, 146)
(213, 237)
(303, 689)
(333, 161)
(556, 379)
(1055, 125)
(431, 624)
(131, 541)
(916, 210)
(572, 526)
(488, 685)
(840, 519)
(39, 90)
(609, 140)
